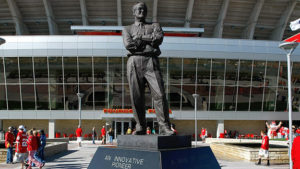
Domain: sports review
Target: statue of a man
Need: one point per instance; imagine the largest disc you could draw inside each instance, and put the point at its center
(142, 40)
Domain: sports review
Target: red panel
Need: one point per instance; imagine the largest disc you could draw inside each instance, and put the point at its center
(295, 38)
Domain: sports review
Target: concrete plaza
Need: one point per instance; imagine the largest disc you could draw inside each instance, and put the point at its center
(79, 158)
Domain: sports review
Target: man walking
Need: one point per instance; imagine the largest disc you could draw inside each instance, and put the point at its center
(9, 141)
(142, 41)
(264, 149)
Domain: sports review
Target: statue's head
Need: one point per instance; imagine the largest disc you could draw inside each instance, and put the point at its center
(140, 10)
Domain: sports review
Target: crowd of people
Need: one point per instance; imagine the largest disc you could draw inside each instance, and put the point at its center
(29, 146)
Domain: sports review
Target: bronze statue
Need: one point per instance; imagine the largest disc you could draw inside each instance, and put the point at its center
(142, 40)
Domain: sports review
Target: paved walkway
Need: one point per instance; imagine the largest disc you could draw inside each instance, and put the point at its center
(79, 158)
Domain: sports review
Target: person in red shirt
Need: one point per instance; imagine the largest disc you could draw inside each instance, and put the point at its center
(148, 131)
(103, 135)
(203, 134)
(21, 146)
(264, 148)
(296, 153)
(79, 135)
(9, 141)
(32, 147)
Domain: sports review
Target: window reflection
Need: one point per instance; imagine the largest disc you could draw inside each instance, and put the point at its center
(296, 74)
(1, 71)
(231, 77)
(70, 69)
(11, 68)
(271, 74)
(243, 98)
(55, 70)
(56, 97)
(230, 98)
(269, 98)
(245, 73)
(42, 97)
(2, 98)
(28, 97)
(26, 72)
(41, 69)
(203, 100)
(203, 71)
(101, 97)
(87, 99)
(296, 99)
(282, 81)
(175, 68)
(189, 71)
(256, 98)
(85, 70)
(100, 69)
(164, 68)
(14, 101)
(175, 97)
(188, 102)
(258, 73)
(115, 70)
(71, 98)
(281, 99)
(217, 72)
(216, 97)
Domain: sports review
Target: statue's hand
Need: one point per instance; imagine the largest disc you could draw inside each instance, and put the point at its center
(147, 38)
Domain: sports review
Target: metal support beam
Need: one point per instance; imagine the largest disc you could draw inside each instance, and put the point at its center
(188, 15)
(53, 29)
(21, 28)
(154, 12)
(119, 8)
(84, 14)
(218, 31)
(278, 32)
(250, 28)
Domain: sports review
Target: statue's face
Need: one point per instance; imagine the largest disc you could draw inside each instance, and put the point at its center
(140, 11)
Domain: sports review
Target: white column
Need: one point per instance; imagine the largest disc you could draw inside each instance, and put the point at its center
(122, 128)
(51, 128)
(220, 127)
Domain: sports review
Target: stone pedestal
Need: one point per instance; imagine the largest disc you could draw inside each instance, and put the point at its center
(154, 152)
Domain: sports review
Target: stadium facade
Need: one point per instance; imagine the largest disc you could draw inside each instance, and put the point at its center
(241, 83)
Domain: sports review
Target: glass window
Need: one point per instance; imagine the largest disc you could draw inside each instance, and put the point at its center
(2, 98)
(269, 98)
(127, 99)
(41, 69)
(115, 96)
(203, 71)
(100, 69)
(217, 74)
(164, 68)
(56, 97)
(243, 98)
(281, 99)
(189, 71)
(55, 70)
(14, 102)
(258, 73)
(188, 102)
(26, 72)
(115, 70)
(87, 99)
(42, 97)
(71, 98)
(271, 74)
(70, 69)
(256, 98)
(296, 99)
(1, 71)
(174, 97)
(296, 74)
(28, 97)
(203, 100)
(230, 98)
(11, 68)
(101, 97)
(85, 70)
(216, 97)
(245, 73)
(231, 75)
(175, 68)
(282, 74)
